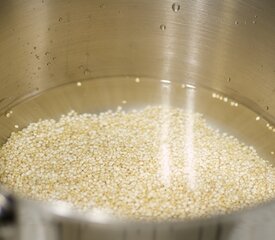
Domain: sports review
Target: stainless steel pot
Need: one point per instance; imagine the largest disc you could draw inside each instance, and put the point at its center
(225, 45)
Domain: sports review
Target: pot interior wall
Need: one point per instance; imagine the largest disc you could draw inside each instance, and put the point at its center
(226, 45)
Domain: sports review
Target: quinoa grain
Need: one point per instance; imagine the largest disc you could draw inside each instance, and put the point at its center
(145, 164)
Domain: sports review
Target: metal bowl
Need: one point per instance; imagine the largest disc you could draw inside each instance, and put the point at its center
(224, 45)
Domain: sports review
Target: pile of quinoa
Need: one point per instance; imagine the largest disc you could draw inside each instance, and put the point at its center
(155, 163)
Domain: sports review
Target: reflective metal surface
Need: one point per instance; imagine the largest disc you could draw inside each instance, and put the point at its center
(221, 44)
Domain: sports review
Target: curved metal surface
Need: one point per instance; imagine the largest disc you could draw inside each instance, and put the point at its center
(221, 44)
(8, 221)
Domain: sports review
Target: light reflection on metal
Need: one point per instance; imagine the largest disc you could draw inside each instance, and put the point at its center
(164, 135)
(193, 58)
(190, 86)
(189, 142)
(165, 81)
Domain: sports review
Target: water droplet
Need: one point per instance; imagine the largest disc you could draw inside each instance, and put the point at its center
(162, 27)
(78, 84)
(8, 114)
(60, 19)
(87, 71)
(236, 22)
(16, 126)
(48, 63)
(255, 16)
(47, 53)
(175, 7)
(272, 153)
(137, 80)
(254, 22)
(124, 102)
(258, 118)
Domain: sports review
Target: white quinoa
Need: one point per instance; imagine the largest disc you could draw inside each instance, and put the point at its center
(155, 163)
